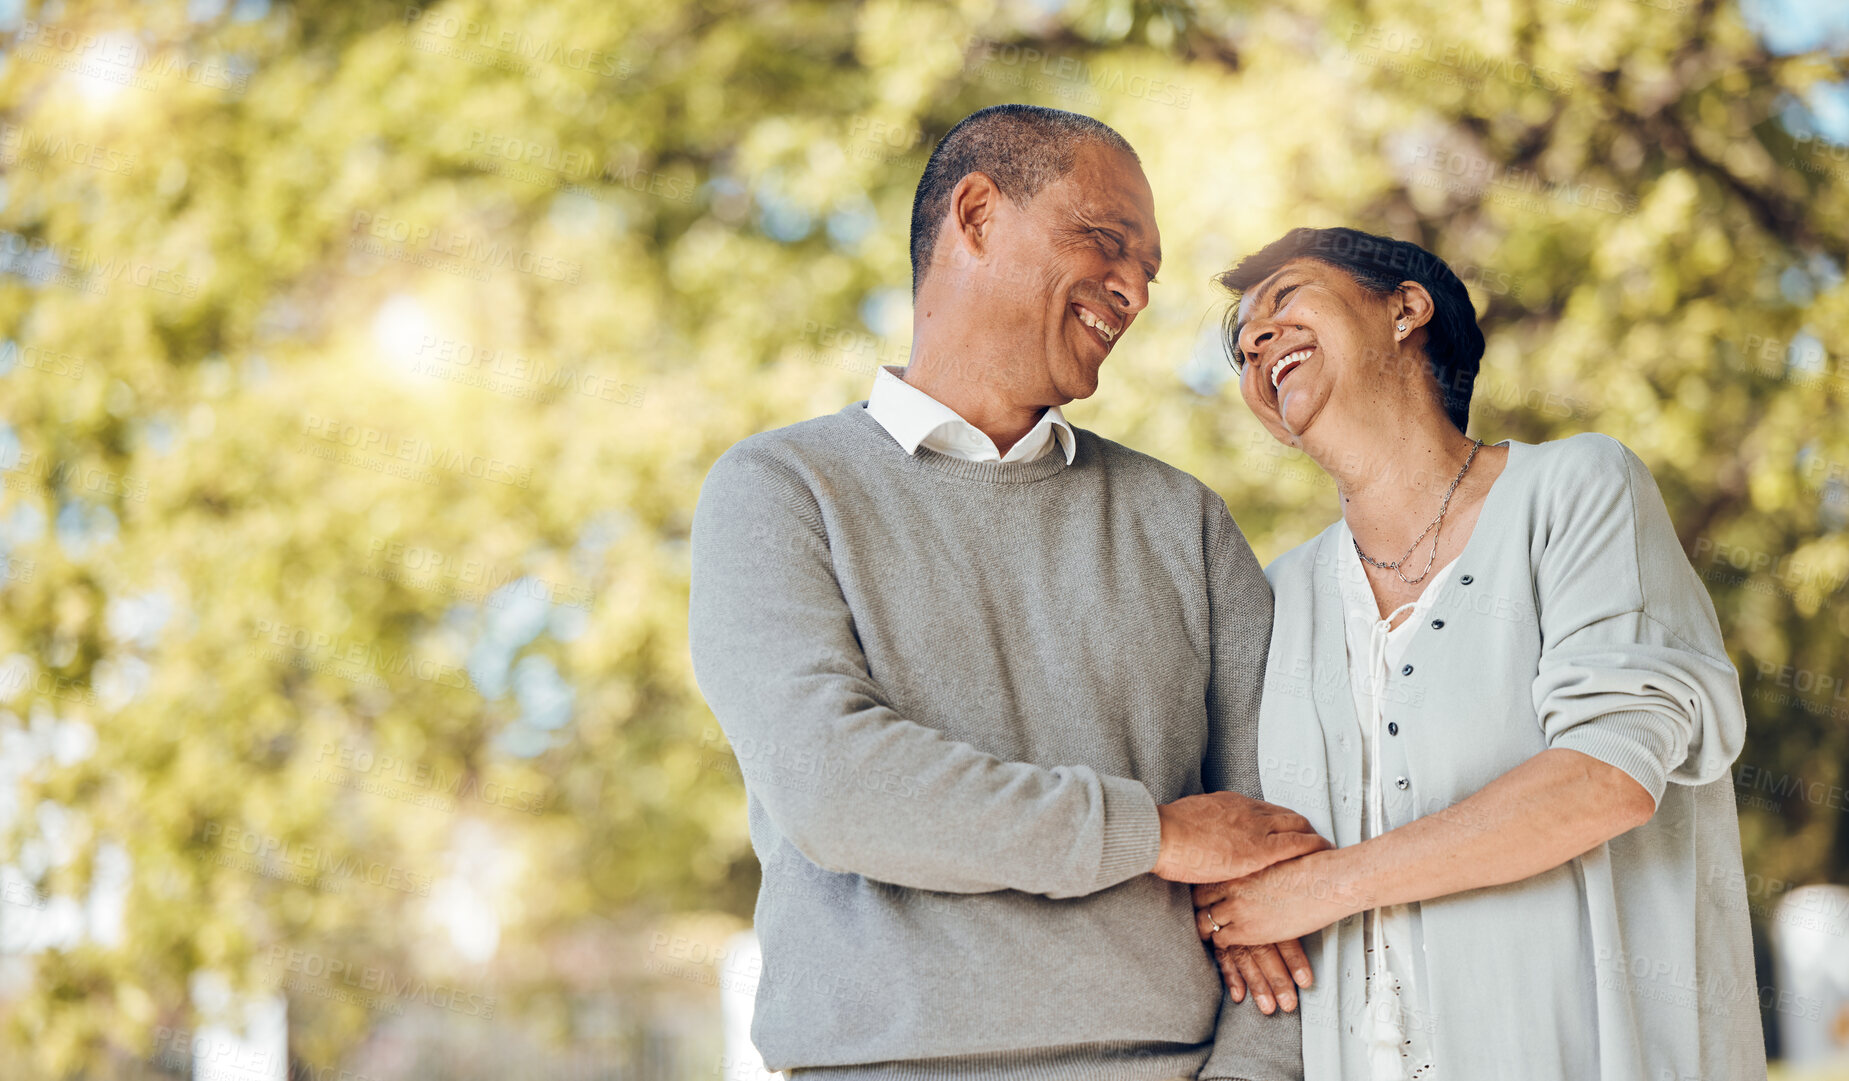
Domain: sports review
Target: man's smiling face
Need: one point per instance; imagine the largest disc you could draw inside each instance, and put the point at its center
(1072, 268)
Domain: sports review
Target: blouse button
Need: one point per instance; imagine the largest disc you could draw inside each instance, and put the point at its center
(1466, 579)
(1393, 728)
(1406, 671)
(1438, 624)
(1402, 784)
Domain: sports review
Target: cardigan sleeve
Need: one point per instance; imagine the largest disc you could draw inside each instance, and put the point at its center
(1632, 668)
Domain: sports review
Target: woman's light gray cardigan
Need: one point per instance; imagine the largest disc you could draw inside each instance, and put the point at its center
(1572, 619)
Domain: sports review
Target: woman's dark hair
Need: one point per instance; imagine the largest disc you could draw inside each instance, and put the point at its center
(1453, 341)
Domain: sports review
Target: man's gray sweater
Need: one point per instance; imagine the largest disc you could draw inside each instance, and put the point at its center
(957, 691)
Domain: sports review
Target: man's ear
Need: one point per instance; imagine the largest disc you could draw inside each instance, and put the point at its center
(1413, 306)
(973, 206)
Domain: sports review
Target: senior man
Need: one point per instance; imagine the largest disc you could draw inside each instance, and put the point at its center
(992, 679)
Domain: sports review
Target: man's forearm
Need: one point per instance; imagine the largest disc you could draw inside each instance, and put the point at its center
(883, 797)
(857, 788)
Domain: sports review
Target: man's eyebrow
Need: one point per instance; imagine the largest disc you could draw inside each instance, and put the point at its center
(1136, 230)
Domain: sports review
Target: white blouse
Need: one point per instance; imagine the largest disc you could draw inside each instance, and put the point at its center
(1374, 650)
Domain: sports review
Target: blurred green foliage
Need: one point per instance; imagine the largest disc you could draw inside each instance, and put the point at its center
(363, 361)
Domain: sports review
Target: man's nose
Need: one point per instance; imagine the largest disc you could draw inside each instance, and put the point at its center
(1131, 296)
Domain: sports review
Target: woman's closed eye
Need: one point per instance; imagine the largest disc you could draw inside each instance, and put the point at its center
(1276, 303)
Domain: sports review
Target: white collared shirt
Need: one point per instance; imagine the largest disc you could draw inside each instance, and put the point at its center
(916, 419)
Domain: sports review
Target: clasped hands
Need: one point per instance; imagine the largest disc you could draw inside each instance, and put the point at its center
(1260, 874)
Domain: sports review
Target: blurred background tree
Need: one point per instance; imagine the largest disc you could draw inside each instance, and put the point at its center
(362, 363)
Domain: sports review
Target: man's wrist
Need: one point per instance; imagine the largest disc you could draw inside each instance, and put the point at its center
(1133, 831)
(1165, 841)
(1175, 855)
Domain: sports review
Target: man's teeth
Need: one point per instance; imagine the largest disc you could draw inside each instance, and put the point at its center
(1096, 324)
(1288, 363)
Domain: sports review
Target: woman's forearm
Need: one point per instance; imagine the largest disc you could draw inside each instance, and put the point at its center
(1553, 807)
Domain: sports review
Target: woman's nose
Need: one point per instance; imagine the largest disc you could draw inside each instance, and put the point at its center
(1257, 335)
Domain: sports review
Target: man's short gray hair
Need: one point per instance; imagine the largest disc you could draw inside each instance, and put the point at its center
(1023, 148)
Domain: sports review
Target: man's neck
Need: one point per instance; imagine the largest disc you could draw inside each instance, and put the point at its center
(983, 402)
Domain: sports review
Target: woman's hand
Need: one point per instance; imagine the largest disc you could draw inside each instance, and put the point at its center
(1283, 902)
(1272, 973)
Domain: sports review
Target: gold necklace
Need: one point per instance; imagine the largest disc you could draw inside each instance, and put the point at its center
(1442, 507)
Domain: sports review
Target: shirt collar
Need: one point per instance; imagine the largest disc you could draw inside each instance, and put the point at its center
(912, 416)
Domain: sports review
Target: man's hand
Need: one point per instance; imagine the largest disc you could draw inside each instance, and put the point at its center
(1221, 835)
(1272, 973)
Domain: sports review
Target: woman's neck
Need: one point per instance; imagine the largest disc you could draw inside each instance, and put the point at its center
(1392, 480)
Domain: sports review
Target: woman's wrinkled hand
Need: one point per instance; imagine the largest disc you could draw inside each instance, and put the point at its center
(1283, 902)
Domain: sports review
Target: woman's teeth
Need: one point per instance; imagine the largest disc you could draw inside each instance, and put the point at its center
(1288, 363)
(1096, 324)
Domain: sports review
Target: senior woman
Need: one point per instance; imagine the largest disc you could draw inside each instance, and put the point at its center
(1499, 687)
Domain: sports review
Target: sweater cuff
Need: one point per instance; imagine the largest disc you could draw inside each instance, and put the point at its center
(1132, 831)
(1623, 739)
